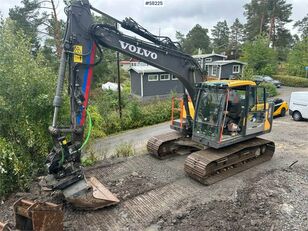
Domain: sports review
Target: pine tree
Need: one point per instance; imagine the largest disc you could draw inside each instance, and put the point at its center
(197, 38)
(236, 37)
(257, 18)
(28, 19)
(220, 34)
(37, 23)
(267, 17)
(302, 27)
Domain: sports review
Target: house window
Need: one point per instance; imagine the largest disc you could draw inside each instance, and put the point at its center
(164, 77)
(214, 70)
(208, 60)
(174, 78)
(152, 78)
(236, 69)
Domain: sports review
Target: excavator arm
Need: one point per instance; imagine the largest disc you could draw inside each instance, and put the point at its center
(173, 61)
(81, 41)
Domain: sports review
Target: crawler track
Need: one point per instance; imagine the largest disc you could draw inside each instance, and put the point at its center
(212, 165)
(163, 145)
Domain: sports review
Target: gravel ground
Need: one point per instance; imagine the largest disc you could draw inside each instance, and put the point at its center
(157, 195)
(274, 200)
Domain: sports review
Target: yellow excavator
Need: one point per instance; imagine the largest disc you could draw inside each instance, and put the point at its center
(228, 115)
(218, 127)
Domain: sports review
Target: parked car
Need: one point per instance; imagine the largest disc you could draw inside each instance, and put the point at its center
(280, 107)
(299, 105)
(267, 79)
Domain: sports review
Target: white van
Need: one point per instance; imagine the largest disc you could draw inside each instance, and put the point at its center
(298, 107)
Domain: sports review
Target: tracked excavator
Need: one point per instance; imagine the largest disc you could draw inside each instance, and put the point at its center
(219, 120)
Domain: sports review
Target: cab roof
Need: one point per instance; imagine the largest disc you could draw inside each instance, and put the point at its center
(230, 83)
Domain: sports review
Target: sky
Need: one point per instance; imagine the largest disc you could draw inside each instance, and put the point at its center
(175, 15)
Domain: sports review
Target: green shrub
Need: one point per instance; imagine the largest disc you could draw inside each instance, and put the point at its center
(97, 122)
(90, 159)
(259, 56)
(26, 94)
(298, 58)
(124, 150)
(247, 74)
(270, 88)
(16, 170)
(292, 81)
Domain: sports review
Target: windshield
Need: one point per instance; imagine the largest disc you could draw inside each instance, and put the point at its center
(209, 107)
(209, 112)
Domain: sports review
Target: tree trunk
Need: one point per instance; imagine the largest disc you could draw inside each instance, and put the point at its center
(57, 30)
(272, 31)
(261, 24)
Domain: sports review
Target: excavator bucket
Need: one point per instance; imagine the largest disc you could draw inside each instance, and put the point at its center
(38, 216)
(5, 227)
(89, 195)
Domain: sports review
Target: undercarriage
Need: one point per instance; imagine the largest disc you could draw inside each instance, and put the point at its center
(208, 165)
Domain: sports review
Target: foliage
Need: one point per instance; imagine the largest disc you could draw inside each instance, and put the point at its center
(302, 26)
(124, 150)
(298, 58)
(90, 159)
(135, 114)
(247, 74)
(197, 38)
(236, 37)
(26, 90)
(14, 170)
(260, 58)
(270, 89)
(97, 123)
(292, 81)
(266, 16)
(256, 17)
(39, 21)
(28, 19)
(270, 17)
(220, 36)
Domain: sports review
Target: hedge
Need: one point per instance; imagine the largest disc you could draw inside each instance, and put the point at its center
(292, 81)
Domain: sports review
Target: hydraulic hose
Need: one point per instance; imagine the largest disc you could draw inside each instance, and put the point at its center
(84, 143)
(89, 131)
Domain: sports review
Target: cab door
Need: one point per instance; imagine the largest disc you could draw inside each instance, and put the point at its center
(256, 106)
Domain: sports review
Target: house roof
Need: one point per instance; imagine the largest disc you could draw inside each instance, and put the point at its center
(146, 69)
(208, 55)
(225, 62)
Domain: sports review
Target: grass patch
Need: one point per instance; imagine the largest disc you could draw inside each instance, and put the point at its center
(124, 150)
(89, 160)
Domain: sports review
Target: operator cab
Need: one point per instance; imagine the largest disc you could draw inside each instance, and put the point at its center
(230, 111)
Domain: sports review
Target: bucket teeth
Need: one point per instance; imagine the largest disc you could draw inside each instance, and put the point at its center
(89, 195)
